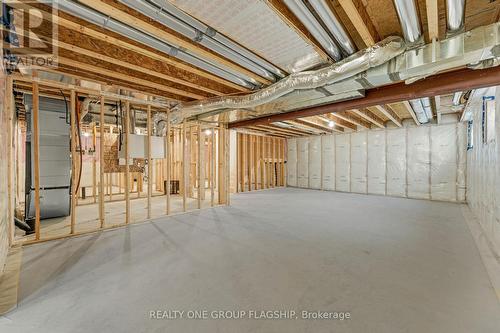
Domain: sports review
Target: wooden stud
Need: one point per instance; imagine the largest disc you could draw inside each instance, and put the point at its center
(127, 168)
(199, 167)
(168, 153)
(184, 166)
(249, 161)
(262, 168)
(212, 168)
(273, 163)
(94, 164)
(255, 162)
(36, 156)
(150, 169)
(283, 143)
(101, 162)
(367, 115)
(74, 189)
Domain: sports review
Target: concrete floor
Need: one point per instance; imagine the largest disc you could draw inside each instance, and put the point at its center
(397, 265)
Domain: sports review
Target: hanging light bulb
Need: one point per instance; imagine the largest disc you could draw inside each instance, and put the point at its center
(86, 134)
(208, 132)
(331, 124)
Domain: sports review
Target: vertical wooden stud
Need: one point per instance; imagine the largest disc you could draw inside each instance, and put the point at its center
(212, 168)
(74, 190)
(127, 169)
(36, 156)
(184, 166)
(168, 153)
(101, 163)
(150, 169)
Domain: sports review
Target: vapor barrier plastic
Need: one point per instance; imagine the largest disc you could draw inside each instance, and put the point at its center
(376, 162)
(418, 146)
(291, 163)
(425, 162)
(315, 162)
(396, 162)
(359, 162)
(328, 161)
(342, 162)
(303, 162)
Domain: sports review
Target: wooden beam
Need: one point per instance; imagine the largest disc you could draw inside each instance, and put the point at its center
(93, 92)
(125, 77)
(439, 84)
(11, 135)
(64, 20)
(389, 113)
(127, 167)
(74, 190)
(356, 12)
(318, 124)
(137, 68)
(282, 11)
(358, 121)
(432, 19)
(341, 122)
(288, 130)
(163, 34)
(101, 163)
(271, 131)
(305, 126)
(410, 110)
(36, 155)
(365, 114)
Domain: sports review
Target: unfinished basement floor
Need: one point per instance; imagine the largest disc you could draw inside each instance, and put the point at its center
(397, 265)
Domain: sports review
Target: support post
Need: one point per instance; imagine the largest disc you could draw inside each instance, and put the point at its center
(101, 163)
(36, 156)
(74, 190)
(199, 164)
(150, 169)
(212, 168)
(127, 169)
(184, 166)
(168, 155)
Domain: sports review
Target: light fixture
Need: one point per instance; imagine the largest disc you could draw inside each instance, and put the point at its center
(331, 124)
(208, 132)
(86, 134)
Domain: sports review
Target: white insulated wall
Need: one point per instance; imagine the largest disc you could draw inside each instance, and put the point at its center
(483, 173)
(425, 162)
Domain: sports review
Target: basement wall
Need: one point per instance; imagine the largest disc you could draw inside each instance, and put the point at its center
(483, 173)
(424, 162)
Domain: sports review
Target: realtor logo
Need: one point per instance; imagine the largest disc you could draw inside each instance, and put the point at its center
(29, 34)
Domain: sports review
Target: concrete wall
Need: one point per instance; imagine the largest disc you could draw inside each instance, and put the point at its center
(424, 162)
(483, 174)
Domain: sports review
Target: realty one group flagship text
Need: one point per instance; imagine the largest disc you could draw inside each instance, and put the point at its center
(248, 314)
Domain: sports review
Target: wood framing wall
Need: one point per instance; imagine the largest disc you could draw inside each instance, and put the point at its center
(195, 161)
(260, 162)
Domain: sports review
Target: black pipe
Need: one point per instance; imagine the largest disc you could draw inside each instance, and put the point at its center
(22, 225)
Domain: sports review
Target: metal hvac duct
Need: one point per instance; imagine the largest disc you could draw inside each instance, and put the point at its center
(358, 62)
(305, 16)
(95, 17)
(168, 15)
(334, 26)
(480, 46)
(408, 17)
(455, 15)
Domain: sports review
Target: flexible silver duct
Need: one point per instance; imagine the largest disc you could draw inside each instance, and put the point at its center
(167, 14)
(99, 19)
(300, 10)
(334, 26)
(408, 17)
(418, 108)
(358, 62)
(480, 47)
(455, 15)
